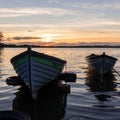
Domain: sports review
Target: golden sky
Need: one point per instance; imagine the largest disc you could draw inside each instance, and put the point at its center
(60, 21)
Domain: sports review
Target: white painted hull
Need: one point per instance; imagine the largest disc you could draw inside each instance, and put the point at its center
(101, 63)
(43, 69)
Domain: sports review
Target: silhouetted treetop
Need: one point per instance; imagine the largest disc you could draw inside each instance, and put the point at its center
(1, 36)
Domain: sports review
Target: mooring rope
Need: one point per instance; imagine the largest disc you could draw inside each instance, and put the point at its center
(116, 72)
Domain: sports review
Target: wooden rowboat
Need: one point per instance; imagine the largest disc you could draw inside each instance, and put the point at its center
(37, 69)
(101, 63)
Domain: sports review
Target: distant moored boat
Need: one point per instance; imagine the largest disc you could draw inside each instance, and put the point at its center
(37, 69)
(101, 63)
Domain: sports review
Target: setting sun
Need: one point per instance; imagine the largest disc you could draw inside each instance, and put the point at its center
(48, 37)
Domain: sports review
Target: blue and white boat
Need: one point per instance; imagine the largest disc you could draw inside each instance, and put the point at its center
(37, 69)
(101, 63)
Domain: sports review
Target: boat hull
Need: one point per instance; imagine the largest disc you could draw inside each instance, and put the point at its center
(37, 69)
(101, 63)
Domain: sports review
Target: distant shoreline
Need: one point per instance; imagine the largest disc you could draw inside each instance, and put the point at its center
(35, 46)
(61, 46)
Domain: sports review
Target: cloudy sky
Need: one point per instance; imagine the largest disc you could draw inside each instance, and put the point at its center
(61, 21)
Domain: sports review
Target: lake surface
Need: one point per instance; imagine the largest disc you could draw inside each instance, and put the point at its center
(82, 102)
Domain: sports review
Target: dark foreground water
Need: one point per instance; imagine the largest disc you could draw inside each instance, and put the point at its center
(82, 103)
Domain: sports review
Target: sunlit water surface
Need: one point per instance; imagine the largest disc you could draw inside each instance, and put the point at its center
(82, 103)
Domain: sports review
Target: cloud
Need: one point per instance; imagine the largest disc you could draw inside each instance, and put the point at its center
(68, 27)
(91, 23)
(14, 25)
(15, 12)
(25, 38)
(53, 1)
(93, 5)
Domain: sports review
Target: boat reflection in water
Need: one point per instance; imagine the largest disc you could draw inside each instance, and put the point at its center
(101, 83)
(23, 101)
(49, 105)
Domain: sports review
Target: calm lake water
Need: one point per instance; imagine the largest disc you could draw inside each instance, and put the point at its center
(82, 102)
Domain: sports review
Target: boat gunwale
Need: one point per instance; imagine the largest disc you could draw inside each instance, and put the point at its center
(34, 53)
(98, 56)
